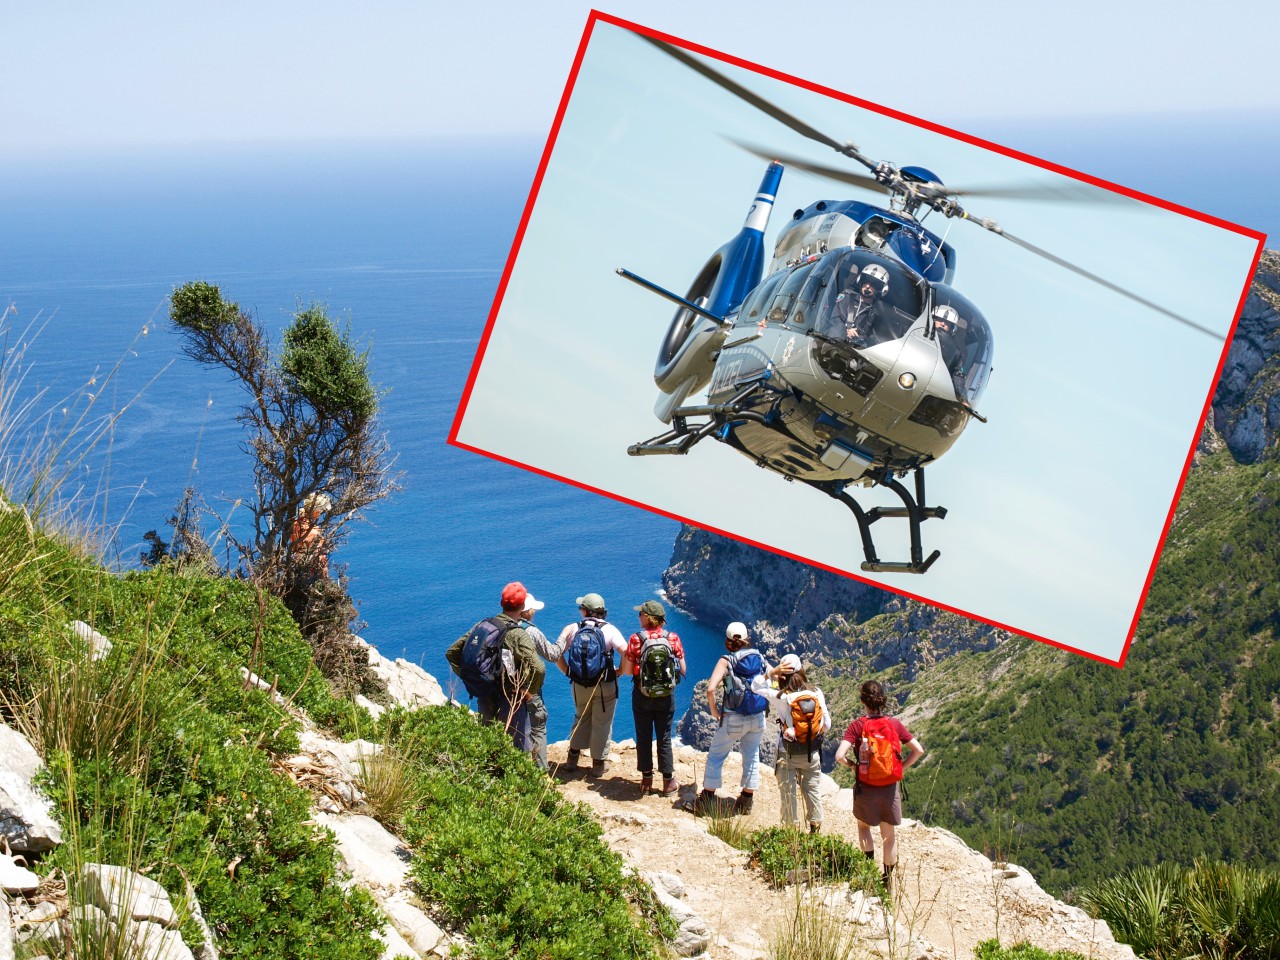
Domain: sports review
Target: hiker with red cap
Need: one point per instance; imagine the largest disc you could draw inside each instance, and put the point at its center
(873, 745)
(499, 666)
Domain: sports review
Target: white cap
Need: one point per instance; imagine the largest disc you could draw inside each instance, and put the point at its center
(790, 664)
(531, 604)
(736, 631)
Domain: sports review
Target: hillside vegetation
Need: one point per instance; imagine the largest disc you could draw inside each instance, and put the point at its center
(161, 758)
(1079, 770)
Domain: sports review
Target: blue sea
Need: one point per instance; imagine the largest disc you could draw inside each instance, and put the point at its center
(407, 242)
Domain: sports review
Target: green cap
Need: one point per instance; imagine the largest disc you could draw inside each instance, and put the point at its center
(653, 608)
(592, 601)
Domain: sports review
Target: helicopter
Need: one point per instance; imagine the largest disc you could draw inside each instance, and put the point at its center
(851, 360)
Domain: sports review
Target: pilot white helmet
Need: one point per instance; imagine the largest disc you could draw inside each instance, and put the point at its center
(946, 314)
(875, 274)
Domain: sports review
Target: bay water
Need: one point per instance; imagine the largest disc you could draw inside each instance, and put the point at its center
(407, 243)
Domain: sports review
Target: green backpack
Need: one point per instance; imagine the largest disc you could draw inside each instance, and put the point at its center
(658, 671)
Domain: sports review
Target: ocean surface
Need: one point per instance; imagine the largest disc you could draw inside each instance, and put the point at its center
(407, 243)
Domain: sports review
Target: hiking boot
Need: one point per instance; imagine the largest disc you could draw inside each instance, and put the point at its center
(743, 804)
(815, 827)
(670, 786)
(646, 786)
(706, 804)
(572, 761)
(599, 768)
(887, 876)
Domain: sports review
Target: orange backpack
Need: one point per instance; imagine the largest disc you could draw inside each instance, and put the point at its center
(806, 717)
(882, 764)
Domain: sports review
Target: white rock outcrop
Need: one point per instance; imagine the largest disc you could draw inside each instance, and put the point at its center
(407, 683)
(26, 817)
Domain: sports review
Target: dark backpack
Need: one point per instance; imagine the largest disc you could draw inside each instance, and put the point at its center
(735, 689)
(588, 656)
(659, 672)
(480, 664)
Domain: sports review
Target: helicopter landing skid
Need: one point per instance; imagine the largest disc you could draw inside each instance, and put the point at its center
(684, 435)
(912, 510)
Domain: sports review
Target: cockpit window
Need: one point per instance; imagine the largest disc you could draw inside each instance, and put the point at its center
(867, 299)
(760, 299)
(965, 340)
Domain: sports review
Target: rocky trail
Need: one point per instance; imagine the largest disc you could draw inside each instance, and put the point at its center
(948, 897)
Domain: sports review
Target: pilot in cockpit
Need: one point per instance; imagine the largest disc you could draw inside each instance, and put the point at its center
(862, 309)
(950, 335)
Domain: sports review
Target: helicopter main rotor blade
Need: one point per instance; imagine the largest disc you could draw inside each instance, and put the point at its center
(759, 102)
(1077, 193)
(818, 169)
(1115, 288)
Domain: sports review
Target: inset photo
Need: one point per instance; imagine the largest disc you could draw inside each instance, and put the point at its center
(857, 338)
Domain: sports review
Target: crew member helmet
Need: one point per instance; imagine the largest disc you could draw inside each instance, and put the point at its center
(875, 275)
(947, 317)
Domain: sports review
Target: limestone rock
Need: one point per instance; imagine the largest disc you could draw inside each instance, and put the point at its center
(694, 936)
(26, 818)
(407, 683)
(120, 892)
(15, 878)
(6, 929)
(99, 644)
(153, 941)
(415, 926)
(395, 947)
(373, 856)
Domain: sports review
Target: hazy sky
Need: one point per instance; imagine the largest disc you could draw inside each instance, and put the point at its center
(81, 74)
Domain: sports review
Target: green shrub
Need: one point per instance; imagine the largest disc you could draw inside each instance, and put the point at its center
(784, 854)
(991, 950)
(525, 873)
(1211, 910)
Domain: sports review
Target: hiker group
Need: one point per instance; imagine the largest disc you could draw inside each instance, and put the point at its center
(502, 662)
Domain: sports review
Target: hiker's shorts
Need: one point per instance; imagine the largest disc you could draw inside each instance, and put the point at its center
(876, 805)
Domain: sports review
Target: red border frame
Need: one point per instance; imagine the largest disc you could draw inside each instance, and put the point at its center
(597, 16)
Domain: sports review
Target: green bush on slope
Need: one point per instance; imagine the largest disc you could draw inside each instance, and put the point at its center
(158, 757)
(523, 871)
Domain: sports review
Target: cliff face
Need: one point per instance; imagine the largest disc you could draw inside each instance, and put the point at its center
(839, 625)
(1246, 405)
(715, 578)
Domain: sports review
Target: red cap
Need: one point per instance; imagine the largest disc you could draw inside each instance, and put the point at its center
(513, 596)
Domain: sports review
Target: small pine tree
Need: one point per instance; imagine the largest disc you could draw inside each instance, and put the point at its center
(311, 419)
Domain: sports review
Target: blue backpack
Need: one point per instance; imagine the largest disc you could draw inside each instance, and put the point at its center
(588, 656)
(735, 689)
(481, 667)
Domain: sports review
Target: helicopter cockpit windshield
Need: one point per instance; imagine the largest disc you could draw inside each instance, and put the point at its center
(964, 338)
(866, 299)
